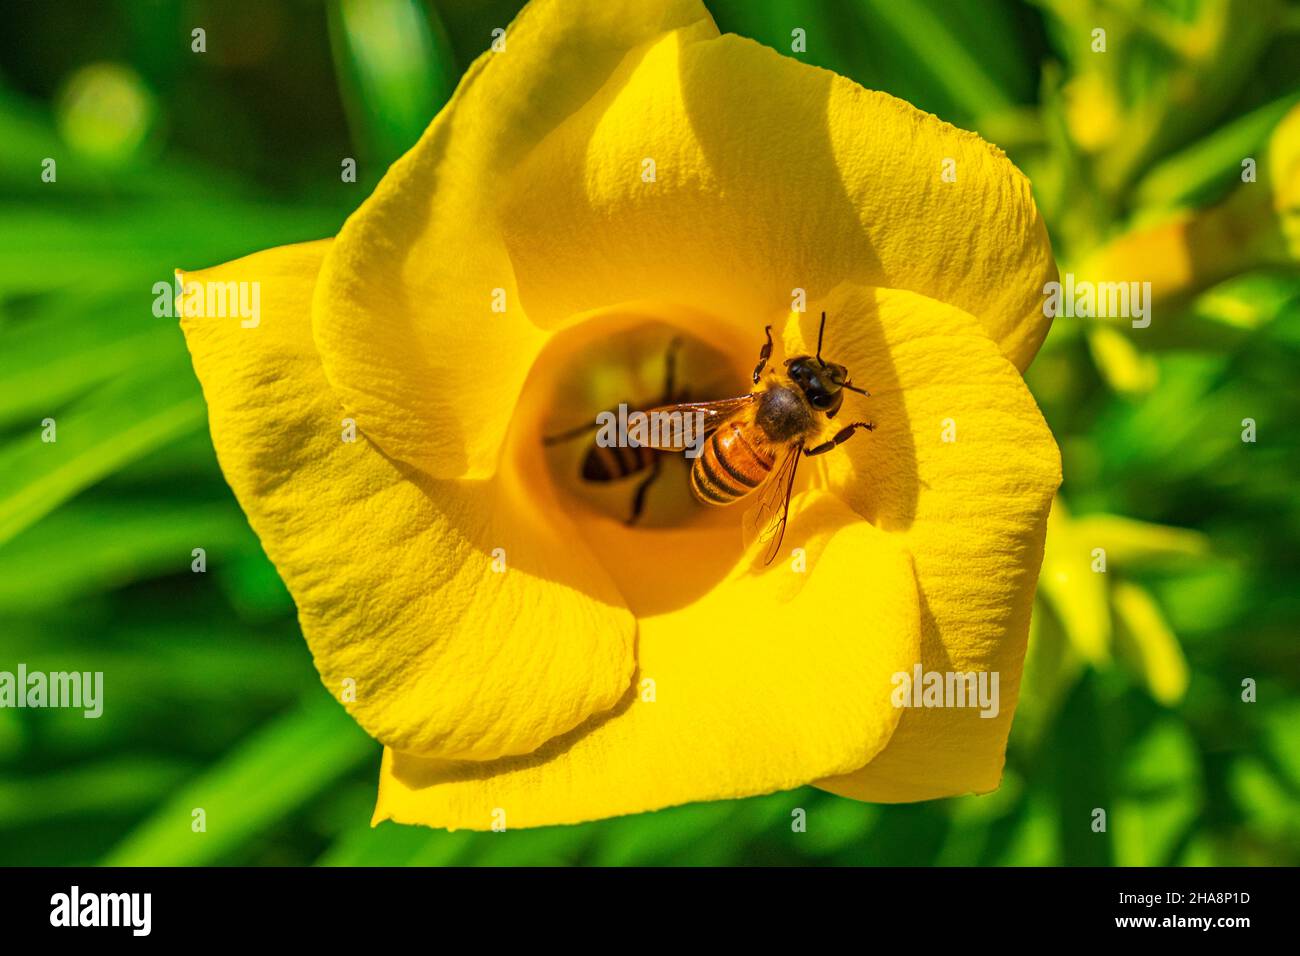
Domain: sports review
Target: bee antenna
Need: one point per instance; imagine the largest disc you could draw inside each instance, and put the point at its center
(821, 330)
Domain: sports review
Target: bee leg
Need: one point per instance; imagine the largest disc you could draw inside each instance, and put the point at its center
(841, 436)
(569, 435)
(573, 433)
(670, 369)
(638, 502)
(764, 354)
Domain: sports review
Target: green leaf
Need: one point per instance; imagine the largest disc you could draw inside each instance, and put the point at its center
(1251, 301)
(265, 779)
(1271, 806)
(1207, 599)
(110, 427)
(1052, 665)
(184, 664)
(977, 820)
(827, 32)
(1126, 369)
(1077, 770)
(941, 53)
(1159, 794)
(391, 844)
(396, 68)
(59, 355)
(1202, 170)
(1147, 643)
(132, 247)
(1076, 591)
(960, 59)
(91, 547)
(1135, 545)
(253, 586)
(657, 838)
(547, 846)
(835, 826)
(112, 786)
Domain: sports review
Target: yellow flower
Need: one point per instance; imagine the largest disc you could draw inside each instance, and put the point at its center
(527, 660)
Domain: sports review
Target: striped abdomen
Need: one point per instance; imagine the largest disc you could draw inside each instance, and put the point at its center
(612, 463)
(730, 466)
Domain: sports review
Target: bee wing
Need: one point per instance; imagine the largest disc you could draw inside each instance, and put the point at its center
(765, 521)
(713, 414)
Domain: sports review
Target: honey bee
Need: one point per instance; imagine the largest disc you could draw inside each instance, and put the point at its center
(602, 464)
(753, 443)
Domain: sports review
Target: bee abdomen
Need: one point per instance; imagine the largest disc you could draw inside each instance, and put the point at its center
(729, 467)
(611, 463)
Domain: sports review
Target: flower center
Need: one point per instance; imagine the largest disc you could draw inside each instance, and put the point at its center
(594, 428)
(670, 550)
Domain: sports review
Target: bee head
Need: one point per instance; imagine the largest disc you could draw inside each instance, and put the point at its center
(822, 383)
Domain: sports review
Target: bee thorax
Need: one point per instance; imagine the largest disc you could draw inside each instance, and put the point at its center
(783, 414)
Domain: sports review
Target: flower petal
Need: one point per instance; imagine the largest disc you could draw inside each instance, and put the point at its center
(769, 176)
(393, 572)
(961, 470)
(417, 315)
(763, 683)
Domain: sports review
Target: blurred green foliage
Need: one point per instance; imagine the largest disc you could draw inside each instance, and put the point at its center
(170, 158)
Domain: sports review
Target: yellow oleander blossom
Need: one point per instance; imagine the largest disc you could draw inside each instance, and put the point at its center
(526, 659)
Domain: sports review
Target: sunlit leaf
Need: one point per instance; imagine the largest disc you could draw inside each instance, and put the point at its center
(397, 70)
(51, 245)
(1132, 545)
(1146, 641)
(1077, 591)
(59, 355)
(1052, 665)
(268, 776)
(1203, 170)
(1271, 807)
(106, 430)
(1125, 368)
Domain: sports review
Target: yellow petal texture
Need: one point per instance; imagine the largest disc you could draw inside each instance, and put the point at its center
(768, 176)
(760, 683)
(971, 511)
(392, 571)
(404, 312)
